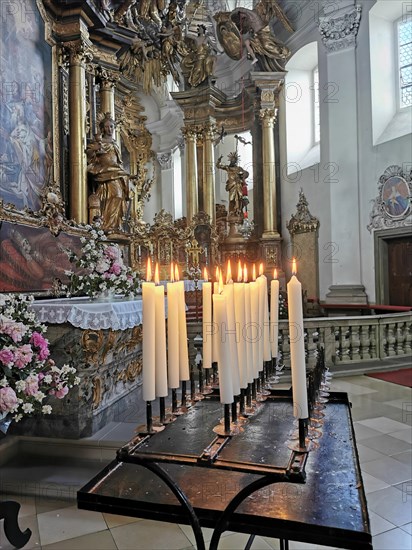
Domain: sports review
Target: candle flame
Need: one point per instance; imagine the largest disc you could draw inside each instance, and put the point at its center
(156, 274)
(275, 273)
(177, 278)
(261, 268)
(172, 273)
(217, 270)
(149, 270)
(205, 274)
(228, 272)
(239, 272)
(220, 287)
(294, 268)
(245, 278)
(254, 272)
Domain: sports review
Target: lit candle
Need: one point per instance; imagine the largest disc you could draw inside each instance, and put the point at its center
(297, 346)
(223, 347)
(254, 322)
(229, 330)
(267, 356)
(261, 291)
(274, 314)
(215, 338)
(247, 333)
(173, 332)
(207, 321)
(184, 372)
(149, 344)
(160, 338)
(240, 319)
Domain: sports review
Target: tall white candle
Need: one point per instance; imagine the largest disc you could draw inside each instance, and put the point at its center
(149, 344)
(240, 319)
(265, 328)
(160, 342)
(223, 350)
(254, 325)
(184, 372)
(229, 334)
(274, 315)
(173, 333)
(207, 322)
(297, 347)
(247, 335)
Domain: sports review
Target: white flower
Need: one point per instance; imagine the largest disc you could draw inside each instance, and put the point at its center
(20, 385)
(28, 408)
(48, 379)
(18, 417)
(3, 382)
(76, 381)
(46, 409)
(39, 396)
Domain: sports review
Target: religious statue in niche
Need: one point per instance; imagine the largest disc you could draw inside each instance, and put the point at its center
(110, 181)
(235, 184)
(248, 30)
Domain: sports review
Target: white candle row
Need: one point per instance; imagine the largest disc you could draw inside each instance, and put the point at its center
(159, 373)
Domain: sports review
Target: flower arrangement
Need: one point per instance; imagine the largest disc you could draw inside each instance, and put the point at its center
(105, 269)
(27, 374)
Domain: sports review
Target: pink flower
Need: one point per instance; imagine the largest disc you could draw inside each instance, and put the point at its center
(111, 252)
(44, 353)
(116, 269)
(38, 340)
(61, 393)
(15, 330)
(6, 356)
(22, 356)
(40, 376)
(32, 385)
(8, 399)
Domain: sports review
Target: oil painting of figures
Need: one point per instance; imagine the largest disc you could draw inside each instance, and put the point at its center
(25, 105)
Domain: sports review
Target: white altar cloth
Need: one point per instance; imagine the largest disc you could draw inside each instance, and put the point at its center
(83, 313)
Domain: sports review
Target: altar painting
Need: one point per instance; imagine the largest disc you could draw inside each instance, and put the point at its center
(31, 258)
(25, 105)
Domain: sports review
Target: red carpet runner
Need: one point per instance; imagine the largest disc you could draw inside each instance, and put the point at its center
(403, 377)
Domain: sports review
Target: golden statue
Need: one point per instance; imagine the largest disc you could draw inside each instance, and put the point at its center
(245, 29)
(104, 164)
(200, 61)
(235, 182)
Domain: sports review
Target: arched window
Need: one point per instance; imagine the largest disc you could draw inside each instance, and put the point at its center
(404, 47)
(302, 109)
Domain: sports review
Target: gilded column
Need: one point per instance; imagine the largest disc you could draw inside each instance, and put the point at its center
(268, 117)
(192, 199)
(107, 80)
(209, 199)
(77, 54)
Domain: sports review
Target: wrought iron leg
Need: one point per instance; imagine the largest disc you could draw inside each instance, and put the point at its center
(223, 521)
(284, 544)
(9, 510)
(250, 542)
(182, 498)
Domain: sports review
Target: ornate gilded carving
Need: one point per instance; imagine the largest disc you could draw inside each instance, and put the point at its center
(78, 52)
(267, 96)
(97, 391)
(247, 31)
(268, 115)
(302, 221)
(131, 372)
(91, 342)
(340, 32)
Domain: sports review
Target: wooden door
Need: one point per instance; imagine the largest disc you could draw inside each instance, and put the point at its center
(400, 271)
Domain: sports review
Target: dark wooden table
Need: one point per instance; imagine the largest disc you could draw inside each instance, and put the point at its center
(315, 498)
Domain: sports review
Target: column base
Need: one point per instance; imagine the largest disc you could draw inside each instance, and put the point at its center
(270, 235)
(346, 294)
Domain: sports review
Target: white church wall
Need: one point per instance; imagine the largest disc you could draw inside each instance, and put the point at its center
(346, 208)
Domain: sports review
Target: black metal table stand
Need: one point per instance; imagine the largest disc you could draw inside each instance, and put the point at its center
(9, 511)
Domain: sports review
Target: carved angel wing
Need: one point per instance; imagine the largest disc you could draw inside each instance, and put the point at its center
(269, 9)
